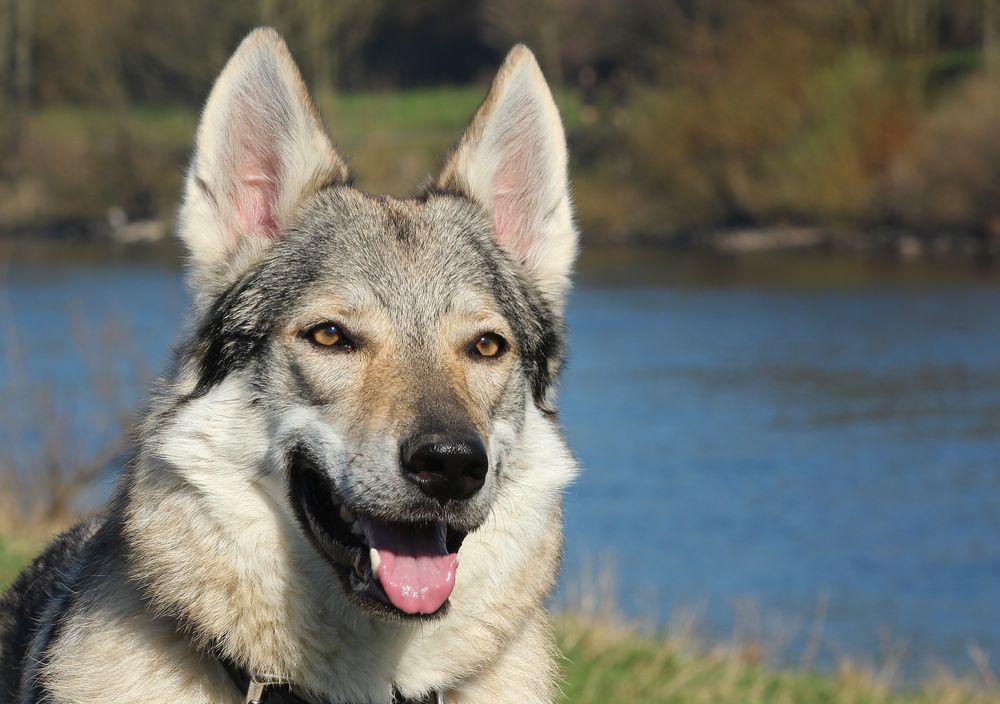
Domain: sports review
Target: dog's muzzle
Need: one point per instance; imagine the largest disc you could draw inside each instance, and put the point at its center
(390, 568)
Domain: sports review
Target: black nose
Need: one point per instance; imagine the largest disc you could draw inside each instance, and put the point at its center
(445, 467)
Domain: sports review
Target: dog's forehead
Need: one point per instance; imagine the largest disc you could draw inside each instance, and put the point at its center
(403, 251)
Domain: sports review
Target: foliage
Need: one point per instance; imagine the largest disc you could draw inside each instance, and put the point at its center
(949, 175)
(13, 558)
(685, 115)
(610, 662)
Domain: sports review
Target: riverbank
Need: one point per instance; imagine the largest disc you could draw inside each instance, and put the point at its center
(607, 660)
(115, 175)
(153, 238)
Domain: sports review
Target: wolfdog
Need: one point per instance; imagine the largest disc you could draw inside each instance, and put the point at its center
(349, 486)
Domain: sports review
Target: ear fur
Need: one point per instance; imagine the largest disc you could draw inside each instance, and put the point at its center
(512, 161)
(261, 149)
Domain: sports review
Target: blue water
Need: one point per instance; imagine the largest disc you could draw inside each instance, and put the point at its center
(776, 457)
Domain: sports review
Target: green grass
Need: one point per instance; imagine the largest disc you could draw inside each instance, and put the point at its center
(434, 112)
(13, 558)
(396, 140)
(424, 110)
(171, 124)
(608, 662)
(611, 663)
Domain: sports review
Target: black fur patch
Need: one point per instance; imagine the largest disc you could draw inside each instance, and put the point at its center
(235, 330)
(228, 337)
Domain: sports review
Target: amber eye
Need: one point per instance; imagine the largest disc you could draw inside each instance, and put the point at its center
(328, 335)
(490, 345)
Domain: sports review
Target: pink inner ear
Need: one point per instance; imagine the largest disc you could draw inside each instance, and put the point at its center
(505, 220)
(516, 186)
(257, 197)
(255, 169)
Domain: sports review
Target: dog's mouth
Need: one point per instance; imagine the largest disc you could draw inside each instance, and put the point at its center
(390, 568)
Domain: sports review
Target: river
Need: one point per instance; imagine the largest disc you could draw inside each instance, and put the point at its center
(783, 447)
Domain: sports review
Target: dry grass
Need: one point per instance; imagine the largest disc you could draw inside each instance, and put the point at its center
(611, 661)
(608, 657)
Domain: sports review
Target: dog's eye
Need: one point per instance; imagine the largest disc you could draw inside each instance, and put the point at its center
(328, 335)
(489, 345)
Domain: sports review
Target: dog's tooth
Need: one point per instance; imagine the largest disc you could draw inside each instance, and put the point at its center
(376, 560)
(345, 515)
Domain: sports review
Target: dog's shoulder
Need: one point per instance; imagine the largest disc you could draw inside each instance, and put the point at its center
(30, 608)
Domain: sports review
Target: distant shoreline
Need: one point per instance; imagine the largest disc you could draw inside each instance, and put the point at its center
(154, 238)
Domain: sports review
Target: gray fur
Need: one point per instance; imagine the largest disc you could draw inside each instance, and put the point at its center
(203, 543)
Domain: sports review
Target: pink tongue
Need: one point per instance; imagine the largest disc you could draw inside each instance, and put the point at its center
(416, 572)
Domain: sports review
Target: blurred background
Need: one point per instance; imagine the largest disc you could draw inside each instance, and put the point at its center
(784, 380)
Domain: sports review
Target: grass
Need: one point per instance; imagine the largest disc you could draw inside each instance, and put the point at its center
(76, 162)
(396, 140)
(607, 661)
(14, 555)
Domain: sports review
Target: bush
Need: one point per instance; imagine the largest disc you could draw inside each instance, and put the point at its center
(948, 177)
(728, 138)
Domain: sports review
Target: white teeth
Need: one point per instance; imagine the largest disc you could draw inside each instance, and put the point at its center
(376, 560)
(345, 515)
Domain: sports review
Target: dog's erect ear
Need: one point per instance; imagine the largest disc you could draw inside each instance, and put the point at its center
(261, 149)
(512, 160)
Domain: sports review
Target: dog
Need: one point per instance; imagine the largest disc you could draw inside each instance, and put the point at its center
(349, 486)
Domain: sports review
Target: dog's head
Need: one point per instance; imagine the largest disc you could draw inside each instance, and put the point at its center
(395, 346)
